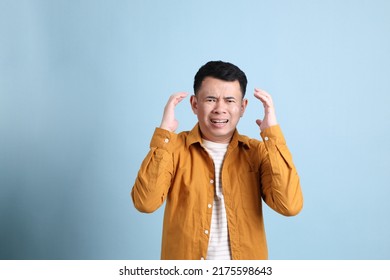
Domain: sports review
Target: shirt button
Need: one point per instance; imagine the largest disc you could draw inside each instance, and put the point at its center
(206, 231)
(211, 181)
(166, 140)
(266, 138)
(209, 205)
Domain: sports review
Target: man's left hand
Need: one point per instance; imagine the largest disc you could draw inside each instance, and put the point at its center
(269, 110)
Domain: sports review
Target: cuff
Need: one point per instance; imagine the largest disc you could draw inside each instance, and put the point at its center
(162, 139)
(273, 134)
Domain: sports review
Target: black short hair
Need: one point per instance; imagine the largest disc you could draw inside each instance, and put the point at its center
(225, 71)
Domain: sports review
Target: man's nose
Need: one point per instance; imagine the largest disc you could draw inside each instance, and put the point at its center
(219, 107)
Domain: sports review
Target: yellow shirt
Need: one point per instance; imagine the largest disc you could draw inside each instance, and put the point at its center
(179, 170)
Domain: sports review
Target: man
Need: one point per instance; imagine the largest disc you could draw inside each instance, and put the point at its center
(214, 179)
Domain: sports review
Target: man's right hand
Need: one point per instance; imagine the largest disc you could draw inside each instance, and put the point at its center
(168, 121)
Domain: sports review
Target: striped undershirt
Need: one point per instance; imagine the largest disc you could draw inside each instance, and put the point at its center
(219, 247)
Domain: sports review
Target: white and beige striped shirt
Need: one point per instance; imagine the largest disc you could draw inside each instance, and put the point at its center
(219, 247)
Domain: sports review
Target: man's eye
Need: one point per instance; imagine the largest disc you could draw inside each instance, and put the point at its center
(210, 100)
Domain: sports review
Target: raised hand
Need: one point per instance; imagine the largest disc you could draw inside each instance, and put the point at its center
(269, 110)
(169, 121)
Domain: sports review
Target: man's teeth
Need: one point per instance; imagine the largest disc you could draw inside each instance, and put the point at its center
(219, 121)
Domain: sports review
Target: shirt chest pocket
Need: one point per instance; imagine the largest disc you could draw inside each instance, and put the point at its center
(249, 188)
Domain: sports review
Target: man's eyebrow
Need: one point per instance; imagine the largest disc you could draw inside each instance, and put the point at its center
(225, 98)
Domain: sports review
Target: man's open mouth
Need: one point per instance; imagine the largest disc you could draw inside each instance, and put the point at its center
(219, 121)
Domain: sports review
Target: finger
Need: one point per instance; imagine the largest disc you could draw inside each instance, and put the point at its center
(261, 90)
(181, 95)
(177, 98)
(259, 93)
(264, 97)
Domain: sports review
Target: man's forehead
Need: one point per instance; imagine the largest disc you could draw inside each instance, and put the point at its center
(209, 92)
(220, 89)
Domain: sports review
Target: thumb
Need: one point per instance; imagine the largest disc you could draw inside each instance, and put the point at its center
(259, 122)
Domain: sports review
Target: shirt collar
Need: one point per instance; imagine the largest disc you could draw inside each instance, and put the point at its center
(195, 136)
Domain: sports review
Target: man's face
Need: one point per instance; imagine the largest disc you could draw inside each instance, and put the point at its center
(218, 106)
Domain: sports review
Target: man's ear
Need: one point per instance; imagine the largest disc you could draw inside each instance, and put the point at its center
(194, 104)
(244, 103)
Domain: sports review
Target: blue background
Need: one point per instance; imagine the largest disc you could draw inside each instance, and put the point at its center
(83, 84)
